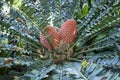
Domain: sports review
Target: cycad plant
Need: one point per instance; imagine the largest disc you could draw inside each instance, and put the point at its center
(59, 39)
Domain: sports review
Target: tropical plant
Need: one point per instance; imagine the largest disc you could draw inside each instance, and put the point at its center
(94, 54)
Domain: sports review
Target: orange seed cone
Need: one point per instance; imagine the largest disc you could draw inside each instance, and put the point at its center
(68, 31)
(54, 38)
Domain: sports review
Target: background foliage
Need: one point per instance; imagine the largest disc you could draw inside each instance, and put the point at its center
(96, 49)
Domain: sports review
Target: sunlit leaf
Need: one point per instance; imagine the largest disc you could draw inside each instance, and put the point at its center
(85, 9)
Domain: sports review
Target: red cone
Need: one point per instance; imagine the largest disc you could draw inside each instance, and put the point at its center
(53, 35)
(68, 31)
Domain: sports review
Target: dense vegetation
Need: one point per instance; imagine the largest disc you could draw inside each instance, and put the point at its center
(94, 55)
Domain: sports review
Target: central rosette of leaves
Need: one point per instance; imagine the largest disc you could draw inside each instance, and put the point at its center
(59, 41)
